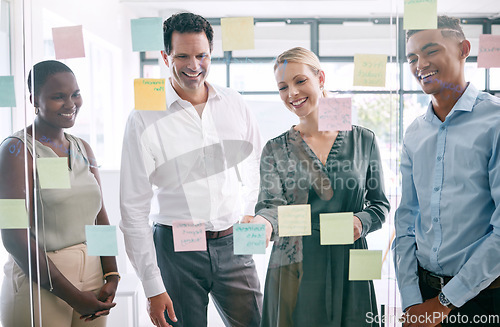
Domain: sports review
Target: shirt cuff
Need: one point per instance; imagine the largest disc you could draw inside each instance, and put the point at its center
(457, 292)
(410, 295)
(153, 287)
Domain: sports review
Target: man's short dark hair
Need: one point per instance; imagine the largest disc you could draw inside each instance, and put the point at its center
(186, 23)
(43, 70)
(450, 27)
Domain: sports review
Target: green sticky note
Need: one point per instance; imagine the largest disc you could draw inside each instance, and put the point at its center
(294, 220)
(147, 34)
(53, 173)
(336, 228)
(249, 239)
(365, 264)
(369, 70)
(13, 214)
(237, 33)
(420, 14)
(101, 240)
(7, 95)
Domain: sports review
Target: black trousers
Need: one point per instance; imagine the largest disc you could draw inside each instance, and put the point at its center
(189, 277)
(483, 310)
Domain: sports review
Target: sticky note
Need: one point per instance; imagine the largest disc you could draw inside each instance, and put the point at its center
(335, 114)
(7, 95)
(489, 51)
(249, 239)
(13, 214)
(147, 34)
(294, 220)
(101, 240)
(188, 236)
(369, 70)
(336, 228)
(365, 264)
(237, 33)
(150, 94)
(420, 14)
(53, 173)
(68, 42)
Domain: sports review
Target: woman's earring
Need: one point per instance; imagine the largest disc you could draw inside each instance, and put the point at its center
(37, 110)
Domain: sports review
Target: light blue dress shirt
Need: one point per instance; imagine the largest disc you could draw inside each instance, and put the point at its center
(448, 221)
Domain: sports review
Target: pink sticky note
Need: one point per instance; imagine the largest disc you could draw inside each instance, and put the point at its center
(335, 114)
(68, 42)
(188, 236)
(489, 51)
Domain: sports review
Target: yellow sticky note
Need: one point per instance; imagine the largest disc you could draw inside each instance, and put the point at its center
(294, 220)
(53, 173)
(365, 264)
(237, 33)
(336, 228)
(13, 214)
(369, 70)
(150, 94)
(420, 14)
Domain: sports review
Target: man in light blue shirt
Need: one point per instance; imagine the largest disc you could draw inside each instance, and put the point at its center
(447, 246)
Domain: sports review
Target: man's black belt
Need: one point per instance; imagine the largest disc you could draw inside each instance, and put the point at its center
(437, 282)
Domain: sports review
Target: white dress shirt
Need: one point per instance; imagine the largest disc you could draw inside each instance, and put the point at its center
(196, 168)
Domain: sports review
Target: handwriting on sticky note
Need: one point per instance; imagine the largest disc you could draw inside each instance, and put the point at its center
(249, 239)
(101, 240)
(335, 114)
(189, 236)
(294, 220)
(369, 70)
(365, 264)
(13, 214)
(336, 228)
(150, 94)
(7, 94)
(237, 33)
(147, 34)
(420, 14)
(68, 42)
(53, 173)
(489, 51)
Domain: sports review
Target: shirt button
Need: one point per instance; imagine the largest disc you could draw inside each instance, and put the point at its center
(434, 250)
(439, 158)
(442, 128)
(436, 189)
(435, 219)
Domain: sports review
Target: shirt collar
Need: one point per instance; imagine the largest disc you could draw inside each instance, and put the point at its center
(465, 103)
(172, 95)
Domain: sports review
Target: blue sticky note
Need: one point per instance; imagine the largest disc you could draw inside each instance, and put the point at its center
(249, 238)
(101, 240)
(147, 34)
(7, 96)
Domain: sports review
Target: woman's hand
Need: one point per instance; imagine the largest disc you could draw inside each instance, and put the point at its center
(106, 295)
(259, 220)
(89, 306)
(358, 228)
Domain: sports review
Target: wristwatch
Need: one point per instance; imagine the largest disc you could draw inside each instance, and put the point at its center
(444, 301)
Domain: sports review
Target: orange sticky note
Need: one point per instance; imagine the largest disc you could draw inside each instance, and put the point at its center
(237, 33)
(150, 94)
(68, 42)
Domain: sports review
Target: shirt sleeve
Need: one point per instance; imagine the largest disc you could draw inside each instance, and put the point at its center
(376, 204)
(250, 166)
(483, 267)
(404, 245)
(271, 193)
(135, 203)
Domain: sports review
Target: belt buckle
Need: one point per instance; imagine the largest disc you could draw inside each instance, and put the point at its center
(441, 279)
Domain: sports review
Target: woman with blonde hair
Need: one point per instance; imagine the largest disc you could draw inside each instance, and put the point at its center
(307, 283)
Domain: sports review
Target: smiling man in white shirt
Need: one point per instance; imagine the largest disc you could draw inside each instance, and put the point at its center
(192, 159)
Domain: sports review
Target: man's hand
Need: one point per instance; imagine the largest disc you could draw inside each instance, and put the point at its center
(358, 227)
(259, 220)
(428, 314)
(156, 308)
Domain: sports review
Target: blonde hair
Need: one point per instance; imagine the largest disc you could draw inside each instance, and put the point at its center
(301, 56)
